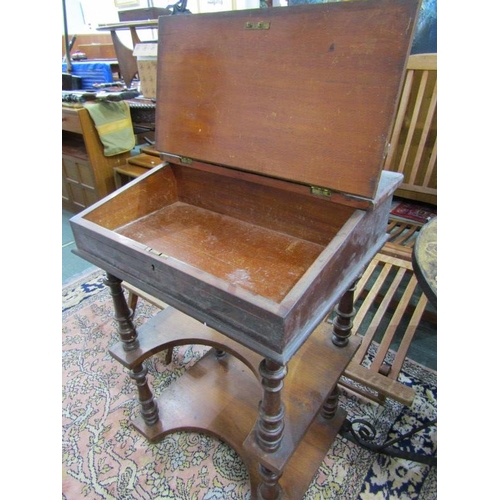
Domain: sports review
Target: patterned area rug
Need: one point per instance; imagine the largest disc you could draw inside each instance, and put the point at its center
(104, 457)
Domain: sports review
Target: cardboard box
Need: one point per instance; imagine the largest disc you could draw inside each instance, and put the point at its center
(147, 56)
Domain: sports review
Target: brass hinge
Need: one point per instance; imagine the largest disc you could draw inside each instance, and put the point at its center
(319, 191)
(181, 159)
(156, 252)
(259, 25)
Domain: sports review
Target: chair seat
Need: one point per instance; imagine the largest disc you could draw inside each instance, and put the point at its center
(389, 309)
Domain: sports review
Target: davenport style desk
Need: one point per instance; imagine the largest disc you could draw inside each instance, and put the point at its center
(270, 202)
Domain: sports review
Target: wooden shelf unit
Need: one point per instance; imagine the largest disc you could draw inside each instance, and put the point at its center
(220, 395)
(87, 175)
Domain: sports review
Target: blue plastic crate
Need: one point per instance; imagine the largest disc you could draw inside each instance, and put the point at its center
(91, 72)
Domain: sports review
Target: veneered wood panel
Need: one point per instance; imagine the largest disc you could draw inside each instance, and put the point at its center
(311, 99)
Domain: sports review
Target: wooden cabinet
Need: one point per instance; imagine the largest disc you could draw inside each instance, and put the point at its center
(87, 175)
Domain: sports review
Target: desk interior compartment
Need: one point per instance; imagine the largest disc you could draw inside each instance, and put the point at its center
(254, 254)
(274, 123)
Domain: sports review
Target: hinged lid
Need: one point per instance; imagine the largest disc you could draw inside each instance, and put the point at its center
(304, 93)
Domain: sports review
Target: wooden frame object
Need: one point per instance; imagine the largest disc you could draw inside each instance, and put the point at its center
(413, 150)
(390, 301)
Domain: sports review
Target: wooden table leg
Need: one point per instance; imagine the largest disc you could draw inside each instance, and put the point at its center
(269, 489)
(123, 314)
(270, 424)
(149, 407)
(345, 311)
(130, 342)
(330, 406)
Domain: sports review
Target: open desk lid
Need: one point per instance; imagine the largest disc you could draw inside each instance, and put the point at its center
(305, 93)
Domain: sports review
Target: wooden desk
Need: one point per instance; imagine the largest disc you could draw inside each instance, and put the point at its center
(126, 59)
(424, 259)
(256, 226)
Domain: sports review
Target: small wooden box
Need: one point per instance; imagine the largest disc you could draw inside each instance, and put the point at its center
(274, 123)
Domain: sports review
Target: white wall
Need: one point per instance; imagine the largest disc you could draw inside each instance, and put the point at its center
(83, 16)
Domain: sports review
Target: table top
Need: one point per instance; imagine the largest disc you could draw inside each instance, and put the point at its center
(425, 260)
(146, 23)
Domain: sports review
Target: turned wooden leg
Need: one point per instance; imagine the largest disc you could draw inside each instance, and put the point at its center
(123, 314)
(220, 354)
(149, 407)
(169, 353)
(331, 404)
(342, 323)
(130, 342)
(270, 422)
(269, 489)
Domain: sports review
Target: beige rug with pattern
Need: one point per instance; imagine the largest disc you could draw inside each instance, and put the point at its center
(104, 457)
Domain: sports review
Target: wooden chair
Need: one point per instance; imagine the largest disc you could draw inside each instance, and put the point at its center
(390, 304)
(413, 150)
(389, 309)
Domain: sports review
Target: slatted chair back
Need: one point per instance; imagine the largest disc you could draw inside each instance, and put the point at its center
(413, 143)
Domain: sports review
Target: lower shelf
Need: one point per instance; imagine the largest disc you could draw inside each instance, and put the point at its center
(220, 396)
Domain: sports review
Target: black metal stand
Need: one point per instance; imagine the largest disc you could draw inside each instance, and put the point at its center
(363, 433)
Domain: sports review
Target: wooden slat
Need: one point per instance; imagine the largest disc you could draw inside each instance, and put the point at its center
(426, 129)
(393, 326)
(404, 234)
(378, 316)
(408, 337)
(397, 251)
(422, 62)
(361, 313)
(431, 164)
(381, 286)
(397, 230)
(417, 189)
(380, 384)
(398, 125)
(413, 124)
